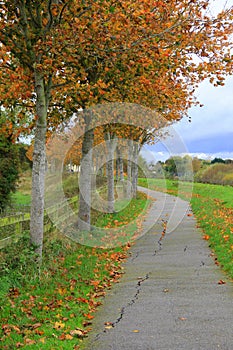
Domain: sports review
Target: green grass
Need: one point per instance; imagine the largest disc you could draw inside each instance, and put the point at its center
(213, 208)
(53, 310)
(19, 198)
(126, 211)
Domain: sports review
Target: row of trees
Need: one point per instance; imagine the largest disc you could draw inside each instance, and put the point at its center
(59, 57)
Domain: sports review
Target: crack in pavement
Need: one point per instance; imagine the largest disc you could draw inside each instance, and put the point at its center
(159, 242)
(132, 301)
(134, 257)
(123, 309)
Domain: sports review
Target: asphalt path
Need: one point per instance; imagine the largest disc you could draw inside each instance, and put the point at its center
(169, 297)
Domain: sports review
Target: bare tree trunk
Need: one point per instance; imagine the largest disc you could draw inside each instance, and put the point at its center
(38, 170)
(135, 169)
(111, 146)
(117, 167)
(121, 170)
(129, 168)
(84, 214)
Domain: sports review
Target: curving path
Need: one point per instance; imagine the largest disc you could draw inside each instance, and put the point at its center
(169, 297)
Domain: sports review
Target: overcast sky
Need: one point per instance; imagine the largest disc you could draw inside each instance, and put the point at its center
(210, 133)
(211, 128)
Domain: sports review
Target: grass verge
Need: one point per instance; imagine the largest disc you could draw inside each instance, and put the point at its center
(53, 307)
(213, 207)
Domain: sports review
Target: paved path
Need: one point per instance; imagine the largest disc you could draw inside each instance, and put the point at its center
(169, 297)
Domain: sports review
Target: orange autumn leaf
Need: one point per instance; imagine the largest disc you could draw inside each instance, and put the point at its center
(89, 316)
(206, 237)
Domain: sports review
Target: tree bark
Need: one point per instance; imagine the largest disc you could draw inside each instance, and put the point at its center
(129, 169)
(135, 169)
(111, 146)
(85, 177)
(119, 165)
(38, 170)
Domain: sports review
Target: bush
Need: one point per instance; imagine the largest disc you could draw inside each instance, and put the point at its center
(228, 179)
(217, 173)
(9, 169)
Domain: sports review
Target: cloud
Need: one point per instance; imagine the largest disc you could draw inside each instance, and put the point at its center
(154, 157)
(212, 125)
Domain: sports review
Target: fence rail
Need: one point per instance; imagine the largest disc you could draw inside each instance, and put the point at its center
(17, 222)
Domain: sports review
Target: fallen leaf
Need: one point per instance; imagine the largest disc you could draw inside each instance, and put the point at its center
(182, 318)
(221, 282)
(42, 340)
(86, 323)
(78, 332)
(59, 325)
(29, 341)
(19, 345)
(136, 331)
(36, 325)
(89, 316)
(108, 327)
(206, 237)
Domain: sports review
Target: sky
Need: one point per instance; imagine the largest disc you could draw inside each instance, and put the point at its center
(210, 133)
(211, 128)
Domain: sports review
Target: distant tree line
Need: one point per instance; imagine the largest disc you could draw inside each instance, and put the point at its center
(217, 171)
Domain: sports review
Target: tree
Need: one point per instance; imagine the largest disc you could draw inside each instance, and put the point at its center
(9, 162)
(217, 160)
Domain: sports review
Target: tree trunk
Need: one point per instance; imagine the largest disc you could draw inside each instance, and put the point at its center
(119, 165)
(129, 169)
(121, 170)
(135, 169)
(117, 168)
(111, 146)
(38, 170)
(84, 214)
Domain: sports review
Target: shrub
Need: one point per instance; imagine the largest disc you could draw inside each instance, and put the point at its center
(9, 165)
(228, 179)
(216, 173)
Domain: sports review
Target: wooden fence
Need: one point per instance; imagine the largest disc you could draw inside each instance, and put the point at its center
(18, 223)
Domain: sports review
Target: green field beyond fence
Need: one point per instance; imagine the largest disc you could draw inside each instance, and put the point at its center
(12, 227)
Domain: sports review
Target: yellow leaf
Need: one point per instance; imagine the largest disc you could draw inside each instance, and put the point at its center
(59, 325)
(42, 340)
(69, 337)
(136, 331)
(108, 327)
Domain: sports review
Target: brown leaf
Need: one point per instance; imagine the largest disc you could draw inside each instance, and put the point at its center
(29, 341)
(221, 282)
(78, 332)
(182, 318)
(19, 345)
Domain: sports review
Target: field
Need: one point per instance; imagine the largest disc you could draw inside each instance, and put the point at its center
(213, 208)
